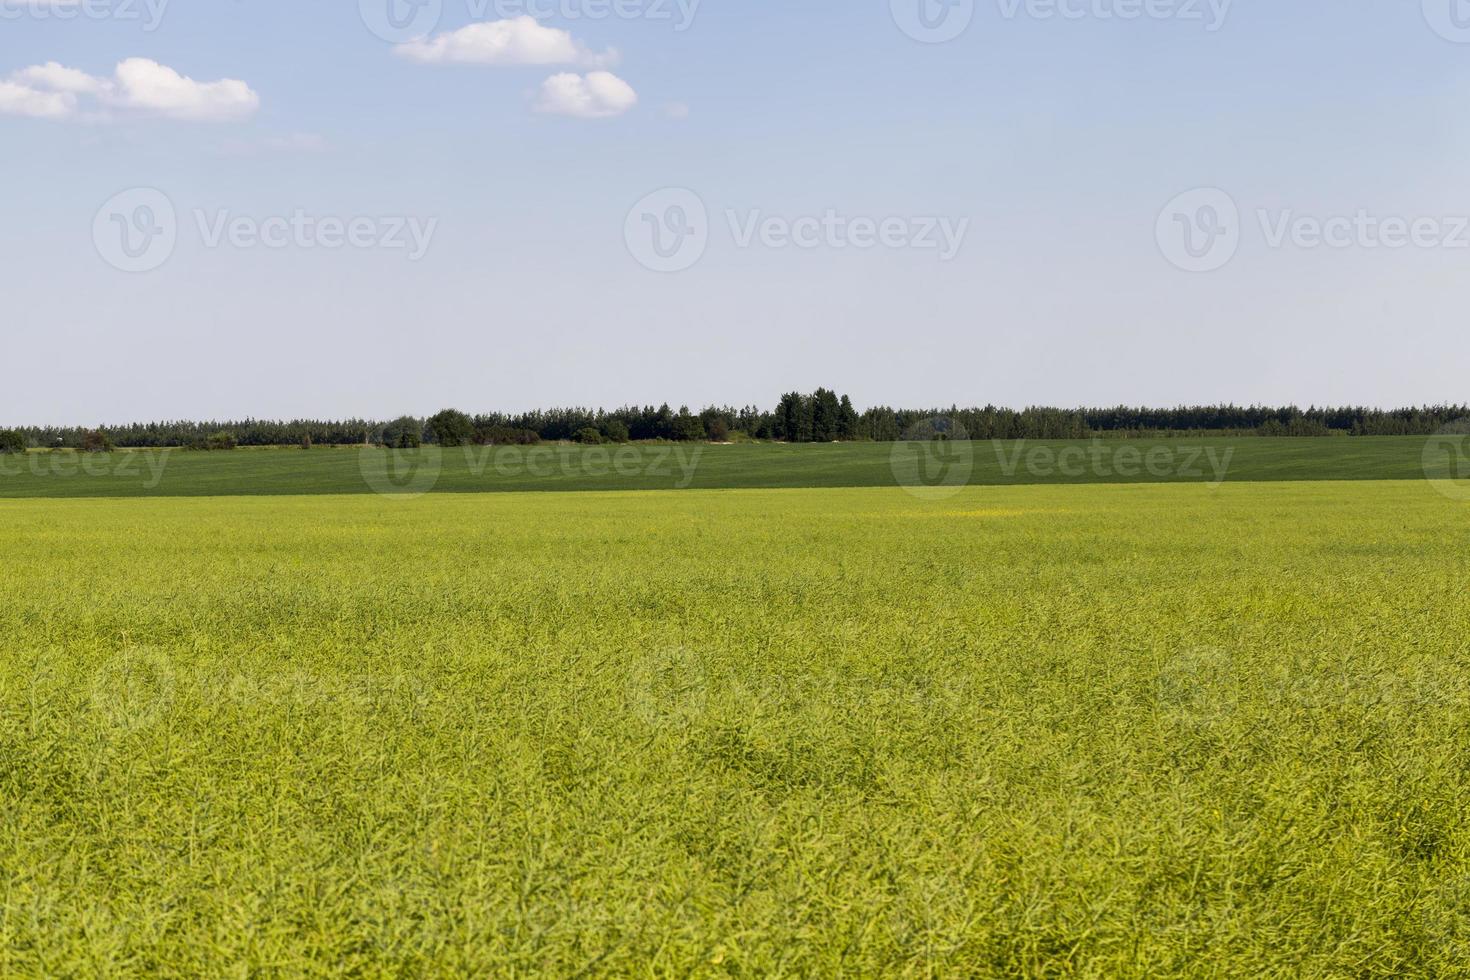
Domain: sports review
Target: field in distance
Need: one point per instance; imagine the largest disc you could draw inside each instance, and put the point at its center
(1042, 731)
(339, 470)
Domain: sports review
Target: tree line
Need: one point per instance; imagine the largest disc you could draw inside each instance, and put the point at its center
(821, 416)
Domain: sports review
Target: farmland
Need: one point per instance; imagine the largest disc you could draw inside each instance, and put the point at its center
(1111, 730)
(553, 467)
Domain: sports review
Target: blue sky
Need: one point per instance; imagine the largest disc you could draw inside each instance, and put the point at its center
(1057, 145)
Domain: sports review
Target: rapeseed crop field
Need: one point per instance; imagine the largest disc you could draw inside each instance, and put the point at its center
(1127, 730)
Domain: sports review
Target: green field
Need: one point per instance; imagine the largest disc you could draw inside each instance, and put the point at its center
(176, 473)
(1166, 730)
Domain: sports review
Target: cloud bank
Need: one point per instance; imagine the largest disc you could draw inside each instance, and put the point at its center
(138, 86)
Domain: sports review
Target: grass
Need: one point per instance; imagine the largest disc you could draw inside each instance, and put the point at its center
(1046, 730)
(644, 467)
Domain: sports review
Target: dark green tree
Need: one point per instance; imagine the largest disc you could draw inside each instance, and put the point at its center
(794, 418)
(847, 420)
(826, 416)
(451, 429)
(687, 427)
(96, 441)
(403, 433)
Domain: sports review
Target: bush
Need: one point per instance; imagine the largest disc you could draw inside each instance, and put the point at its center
(500, 435)
(219, 442)
(12, 441)
(589, 437)
(96, 442)
(451, 428)
(403, 433)
(687, 428)
(616, 430)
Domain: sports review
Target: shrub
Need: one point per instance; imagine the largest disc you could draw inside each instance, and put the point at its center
(96, 442)
(616, 430)
(403, 433)
(501, 435)
(219, 442)
(12, 441)
(452, 428)
(589, 437)
(687, 428)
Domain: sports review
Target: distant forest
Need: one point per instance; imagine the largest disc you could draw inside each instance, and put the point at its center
(822, 416)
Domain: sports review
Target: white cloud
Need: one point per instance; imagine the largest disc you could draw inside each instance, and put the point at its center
(596, 95)
(147, 85)
(57, 78)
(22, 100)
(138, 85)
(515, 41)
